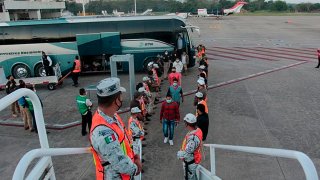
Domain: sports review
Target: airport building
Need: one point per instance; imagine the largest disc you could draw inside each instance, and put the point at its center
(11, 10)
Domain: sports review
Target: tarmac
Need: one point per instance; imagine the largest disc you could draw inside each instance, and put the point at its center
(263, 92)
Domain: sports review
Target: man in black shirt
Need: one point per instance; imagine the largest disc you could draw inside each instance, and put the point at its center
(47, 64)
(202, 120)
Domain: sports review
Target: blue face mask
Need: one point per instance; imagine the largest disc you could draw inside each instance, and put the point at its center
(175, 84)
(169, 100)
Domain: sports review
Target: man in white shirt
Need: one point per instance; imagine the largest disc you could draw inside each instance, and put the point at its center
(178, 65)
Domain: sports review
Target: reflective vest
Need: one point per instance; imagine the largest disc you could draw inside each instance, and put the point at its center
(82, 106)
(139, 126)
(197, 151)
(143, 106)
(205, 106)
(77, 68)
(145, 85)
(123, 139)
(155, 76)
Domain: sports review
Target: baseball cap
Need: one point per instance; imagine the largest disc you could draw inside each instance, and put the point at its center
(199, 94)
(201, 81)
(142, 89)
(150, 64)
(190, 118)
(135, 110)
(146, 78)
(109, 86)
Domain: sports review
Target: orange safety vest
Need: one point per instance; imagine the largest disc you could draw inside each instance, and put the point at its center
(145, 85)
(123, 139)
(77, 68)
(155, 75)
(143, 106)
(197, 151)
(139, 126)
(205, 106)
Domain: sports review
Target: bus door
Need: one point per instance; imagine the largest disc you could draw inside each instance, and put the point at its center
(89, 49)
(111, 45)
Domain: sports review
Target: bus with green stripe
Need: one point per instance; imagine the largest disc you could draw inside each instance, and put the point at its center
(94, 39)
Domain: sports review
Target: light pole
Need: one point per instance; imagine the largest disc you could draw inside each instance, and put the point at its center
(135, 7)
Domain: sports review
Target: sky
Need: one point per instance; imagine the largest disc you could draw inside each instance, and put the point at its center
(302, 1)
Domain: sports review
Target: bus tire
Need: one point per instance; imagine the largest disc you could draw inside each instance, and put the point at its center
(51, 86)
(39, 70)
(147, 61)
(21, 71)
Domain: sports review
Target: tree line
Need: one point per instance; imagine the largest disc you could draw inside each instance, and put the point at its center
(172, 6)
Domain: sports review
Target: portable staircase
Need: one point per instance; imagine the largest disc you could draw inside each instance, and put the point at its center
(43, 169)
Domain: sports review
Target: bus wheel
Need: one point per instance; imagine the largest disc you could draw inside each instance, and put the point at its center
(51, 86)
(146, 62)
(39, 71)
(21, 71)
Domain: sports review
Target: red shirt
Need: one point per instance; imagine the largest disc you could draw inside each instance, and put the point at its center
(170, 111)
(173, 76)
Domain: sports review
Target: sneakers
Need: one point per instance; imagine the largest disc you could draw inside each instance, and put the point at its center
(171, 142)
(165, 140)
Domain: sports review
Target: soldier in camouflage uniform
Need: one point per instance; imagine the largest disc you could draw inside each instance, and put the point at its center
(190, 151)
(111, 147)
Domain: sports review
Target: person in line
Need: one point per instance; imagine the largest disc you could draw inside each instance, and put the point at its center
(154, 87)
(137, 101)
(169, 117)
(84, 105)
(10, 87)
(136, 130)
(149, 94)
(203, 69)
(174, 75)
(190, 152)
(111, 147)
(76, 69)
(200, 100)
(318, 53)
(47, 64)
(201, 88)
(26, 115)
(166, 64)
(176, 92)
(202, 120)
(178, 65)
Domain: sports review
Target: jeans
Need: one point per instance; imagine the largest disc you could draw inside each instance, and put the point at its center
(168, 125)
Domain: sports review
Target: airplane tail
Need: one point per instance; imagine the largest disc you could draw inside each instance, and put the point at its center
(236, 8)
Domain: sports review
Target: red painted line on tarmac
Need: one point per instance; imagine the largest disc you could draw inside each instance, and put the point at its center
(63, 127)
(254, 75)
(300, 51)
(225, 56)
(296, 49)
(264, 54)
(284, 53)
(237, 54)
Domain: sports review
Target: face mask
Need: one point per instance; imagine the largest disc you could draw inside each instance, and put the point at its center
(175, 84)
(166, 53)
(119, 106)
(168, 100)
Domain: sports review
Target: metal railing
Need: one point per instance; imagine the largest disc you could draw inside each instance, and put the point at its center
(44, 167)
(306, 163)
(44, 163)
